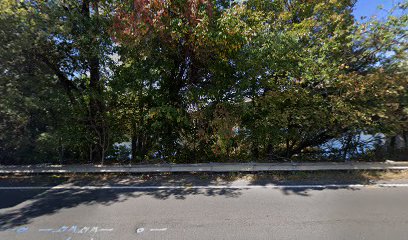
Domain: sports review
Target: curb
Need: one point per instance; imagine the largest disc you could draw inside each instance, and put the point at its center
(206, 167)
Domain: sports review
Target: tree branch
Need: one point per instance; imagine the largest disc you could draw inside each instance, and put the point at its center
(63, 80)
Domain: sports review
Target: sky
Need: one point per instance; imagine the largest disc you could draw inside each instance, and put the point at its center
(369, 8)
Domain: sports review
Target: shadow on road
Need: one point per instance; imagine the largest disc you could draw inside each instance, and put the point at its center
(20, 207)
(13, 198)
(305, 192)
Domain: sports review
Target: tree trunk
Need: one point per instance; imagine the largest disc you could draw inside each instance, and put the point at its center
(96, 106)
(347, 144)
(133, 142)
(391, 150)
(135, 146)
(61, 151)
(269, 152)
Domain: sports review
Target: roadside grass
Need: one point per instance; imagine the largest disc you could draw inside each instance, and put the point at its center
(194, 178)
(324, 176)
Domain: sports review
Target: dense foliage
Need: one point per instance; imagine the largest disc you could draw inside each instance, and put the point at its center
(200, 80)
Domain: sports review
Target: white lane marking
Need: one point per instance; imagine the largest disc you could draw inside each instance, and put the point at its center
(269, 186)
(45, 230)
(158, 229)
(8, 229)
(105, 230)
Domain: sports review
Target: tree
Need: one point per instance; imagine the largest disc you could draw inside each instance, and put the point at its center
(197, 80)
(172, 51)
(70, 41)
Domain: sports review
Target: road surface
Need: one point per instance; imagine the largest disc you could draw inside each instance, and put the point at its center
(211, 213)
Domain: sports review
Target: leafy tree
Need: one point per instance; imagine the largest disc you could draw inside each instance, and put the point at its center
(69, 42)
(197, 80)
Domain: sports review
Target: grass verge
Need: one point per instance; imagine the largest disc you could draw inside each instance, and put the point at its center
(298, 177)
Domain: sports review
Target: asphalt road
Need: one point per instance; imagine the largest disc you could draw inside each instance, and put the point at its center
(188, 213)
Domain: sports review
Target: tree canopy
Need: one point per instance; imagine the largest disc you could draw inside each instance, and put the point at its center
(199, 80)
